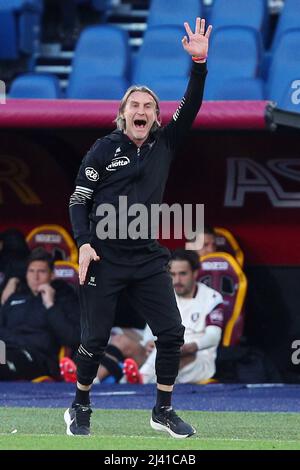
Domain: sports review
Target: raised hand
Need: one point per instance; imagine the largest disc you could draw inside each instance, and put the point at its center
(197, 43)
(48, 294)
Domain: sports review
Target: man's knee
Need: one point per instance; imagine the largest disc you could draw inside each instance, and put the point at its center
(87, 364)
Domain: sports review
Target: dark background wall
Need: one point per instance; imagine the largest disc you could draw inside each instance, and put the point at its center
(273, 314)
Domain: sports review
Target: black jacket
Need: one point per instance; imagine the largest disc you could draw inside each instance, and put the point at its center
(115, 166)
(25, 322)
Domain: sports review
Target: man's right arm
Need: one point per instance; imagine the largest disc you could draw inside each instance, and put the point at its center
(82, 198)
(80, 206)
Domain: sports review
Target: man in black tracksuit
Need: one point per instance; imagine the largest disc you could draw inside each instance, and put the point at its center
(39, 316)
(132, 161)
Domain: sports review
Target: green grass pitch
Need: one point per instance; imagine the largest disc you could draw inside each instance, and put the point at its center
(41, 428)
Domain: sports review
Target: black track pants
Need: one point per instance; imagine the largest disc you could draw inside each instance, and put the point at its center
(151, 295)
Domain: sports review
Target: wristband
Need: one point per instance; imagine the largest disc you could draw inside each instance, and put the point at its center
(196, 58)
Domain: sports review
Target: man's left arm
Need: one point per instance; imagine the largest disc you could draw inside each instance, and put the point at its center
(212, 334)
(196, 45)
(213, 330)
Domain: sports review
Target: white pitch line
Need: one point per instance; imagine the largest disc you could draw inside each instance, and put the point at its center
(160, 437)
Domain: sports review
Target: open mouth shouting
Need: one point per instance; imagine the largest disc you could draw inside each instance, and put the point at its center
(140, 123)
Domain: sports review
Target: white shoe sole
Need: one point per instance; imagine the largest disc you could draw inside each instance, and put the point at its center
(68, 422)
(162, 428)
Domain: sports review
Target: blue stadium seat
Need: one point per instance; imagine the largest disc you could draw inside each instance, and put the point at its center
(9, 48)
(35, 86)
(285, 67)
(235, 53)
(288, 19)
(240, 89)
(19, 27)
(29, 30)
(162, 64)
(174, 12)
(100, 64)
(171, 89)
(240, 13)
(18, 4)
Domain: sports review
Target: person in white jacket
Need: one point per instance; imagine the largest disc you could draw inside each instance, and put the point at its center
(201, 309)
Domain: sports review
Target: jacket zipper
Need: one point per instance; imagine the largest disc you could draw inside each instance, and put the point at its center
(138, 151)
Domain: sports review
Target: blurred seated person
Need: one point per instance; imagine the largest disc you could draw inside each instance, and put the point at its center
(14, 253)
(205, 246)
(38, 317)
(201, 309)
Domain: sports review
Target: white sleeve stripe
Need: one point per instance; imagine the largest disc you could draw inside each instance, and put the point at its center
(74, 203)
(78, 198)
(81, 193)
(82, 188)
(177, 112)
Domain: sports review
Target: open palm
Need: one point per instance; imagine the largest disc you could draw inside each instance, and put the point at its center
(197, 43)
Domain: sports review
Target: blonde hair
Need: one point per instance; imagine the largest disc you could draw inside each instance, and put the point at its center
(120, 121)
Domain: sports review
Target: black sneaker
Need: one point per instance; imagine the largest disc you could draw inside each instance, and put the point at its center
(77, 420)
(167, 420)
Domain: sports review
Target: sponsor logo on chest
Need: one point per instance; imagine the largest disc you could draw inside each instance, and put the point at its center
(117, 162)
